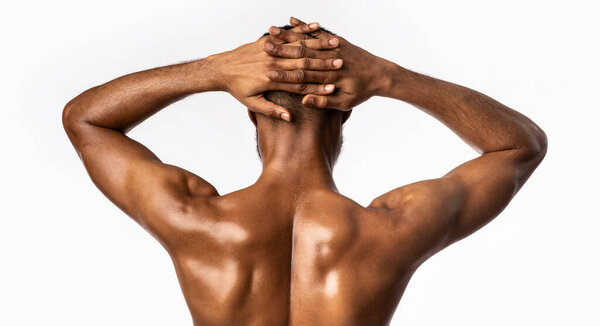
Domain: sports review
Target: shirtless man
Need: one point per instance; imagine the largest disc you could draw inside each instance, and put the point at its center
(289, 249)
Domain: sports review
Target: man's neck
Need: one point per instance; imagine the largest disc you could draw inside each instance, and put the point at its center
(299, 158)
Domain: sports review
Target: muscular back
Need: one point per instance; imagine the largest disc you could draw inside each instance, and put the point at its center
(319, 259)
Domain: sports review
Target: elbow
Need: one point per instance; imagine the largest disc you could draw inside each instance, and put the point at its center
(68, 119)
(542, 144)
(71, 119)
(537, 145)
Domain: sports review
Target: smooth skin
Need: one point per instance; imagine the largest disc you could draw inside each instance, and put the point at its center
(289, 249)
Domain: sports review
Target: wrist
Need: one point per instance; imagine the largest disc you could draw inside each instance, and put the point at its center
(206, 74)
(395, 81)
(383, 77)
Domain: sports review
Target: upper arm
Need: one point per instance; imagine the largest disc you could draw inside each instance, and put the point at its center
(133, 178)
(438, 212)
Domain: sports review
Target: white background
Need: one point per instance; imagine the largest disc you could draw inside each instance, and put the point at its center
(69, 257)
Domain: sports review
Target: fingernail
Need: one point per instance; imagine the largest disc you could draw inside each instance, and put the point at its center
(273, 73)
(333, 41)
(275, 30)
(269, 46)
(313, 25)
(294, 19)
(329, 88)
(310, 101)
(337, 62)
(285, 116)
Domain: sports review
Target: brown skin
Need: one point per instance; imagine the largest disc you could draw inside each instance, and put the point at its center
(290, 250)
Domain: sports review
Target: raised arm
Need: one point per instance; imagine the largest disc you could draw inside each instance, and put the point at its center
(471, 195)
(130, 175)
(435, 213)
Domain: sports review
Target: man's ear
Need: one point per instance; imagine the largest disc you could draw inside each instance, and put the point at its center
(252, 117)
(346, 115)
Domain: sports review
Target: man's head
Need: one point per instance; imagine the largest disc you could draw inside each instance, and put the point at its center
(326, 121)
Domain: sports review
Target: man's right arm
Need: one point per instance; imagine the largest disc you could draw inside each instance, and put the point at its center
(471, 195)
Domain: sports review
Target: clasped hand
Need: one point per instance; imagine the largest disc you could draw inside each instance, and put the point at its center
(330, 71)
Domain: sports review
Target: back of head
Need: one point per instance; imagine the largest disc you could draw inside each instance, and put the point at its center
(301, 114)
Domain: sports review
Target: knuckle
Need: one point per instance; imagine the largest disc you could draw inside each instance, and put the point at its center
(303, 88)
(290, 77)
(285, 76)
(302, 49)
(305, 63)
(300, 75)
(322, 102)
(302, 42)
(276, 49)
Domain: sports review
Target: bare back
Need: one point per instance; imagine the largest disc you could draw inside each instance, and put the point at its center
(321, 259)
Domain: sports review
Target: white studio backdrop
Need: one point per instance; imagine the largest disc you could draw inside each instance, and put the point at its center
(69, 257)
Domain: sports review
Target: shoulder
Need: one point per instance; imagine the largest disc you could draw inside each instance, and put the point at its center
(176, 217)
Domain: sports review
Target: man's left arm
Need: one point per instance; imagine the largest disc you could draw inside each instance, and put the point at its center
(127, 172)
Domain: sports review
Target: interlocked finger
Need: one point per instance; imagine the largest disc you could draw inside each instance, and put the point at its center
(303, 76)
(296, 22)
(311, 43)
(305, 28)
(322, 43)
(280, 35)
(308, 64)
(294, 51)
(286, 35)
(317, 33)
(335, 101)
(306, 88)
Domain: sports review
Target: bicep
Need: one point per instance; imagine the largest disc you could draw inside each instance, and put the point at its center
(425, 213)
(133, 178)
(489, 183)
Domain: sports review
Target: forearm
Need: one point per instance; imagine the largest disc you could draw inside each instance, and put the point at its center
(479, 120)
(123, 103)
